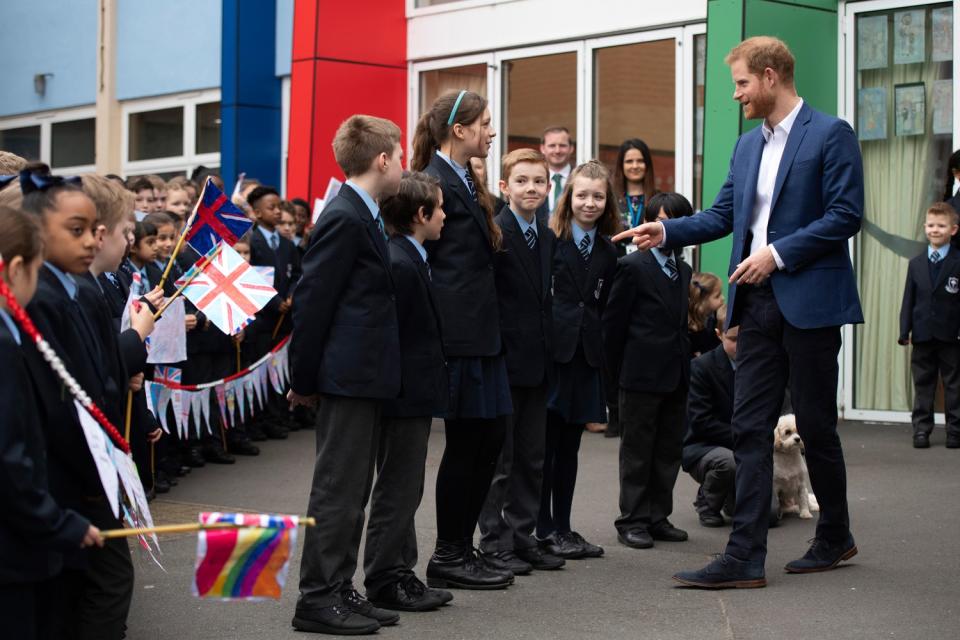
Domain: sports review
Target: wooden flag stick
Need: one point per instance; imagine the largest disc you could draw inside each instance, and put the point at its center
(126, 429)
(236, 345)
(186, 528)
(276, 327)
(183, 235)
(197, 270)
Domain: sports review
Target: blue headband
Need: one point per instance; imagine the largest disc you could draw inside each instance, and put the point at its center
(456, 105)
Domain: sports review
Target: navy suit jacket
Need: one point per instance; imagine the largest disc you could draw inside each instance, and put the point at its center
(345, 337)
(817, 206)
(931, 310)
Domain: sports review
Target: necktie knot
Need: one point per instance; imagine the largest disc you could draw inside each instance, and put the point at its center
(935, 257)
(274, 241)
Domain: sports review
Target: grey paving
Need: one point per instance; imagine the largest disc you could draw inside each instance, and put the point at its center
(904, 583)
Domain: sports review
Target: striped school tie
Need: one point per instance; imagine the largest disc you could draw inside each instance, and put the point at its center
(472, 188)
(671, 268)
(531, 237)
(585, 248)
(935, 257)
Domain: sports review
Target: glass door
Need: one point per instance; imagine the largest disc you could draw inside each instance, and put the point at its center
(899, 94)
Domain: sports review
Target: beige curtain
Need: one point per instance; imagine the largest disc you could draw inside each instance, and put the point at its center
(903, 175)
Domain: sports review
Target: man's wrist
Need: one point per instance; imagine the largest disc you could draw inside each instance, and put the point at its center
(663, 234)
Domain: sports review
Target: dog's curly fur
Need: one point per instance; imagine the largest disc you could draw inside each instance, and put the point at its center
(791, 482)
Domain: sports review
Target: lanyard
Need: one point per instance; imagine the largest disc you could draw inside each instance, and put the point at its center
(634, 213)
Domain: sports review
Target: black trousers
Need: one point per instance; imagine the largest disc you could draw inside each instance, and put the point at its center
(391, 549)
(510, 512)
(716, 473)
(463, 478)
(651, 442)
(90, 603)
(929, 361)
(559, 475)
(348, 435)
(769, 352)
(18, 610)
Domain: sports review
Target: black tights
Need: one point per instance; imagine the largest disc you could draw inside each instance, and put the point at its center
(463, 479)
(559, 475)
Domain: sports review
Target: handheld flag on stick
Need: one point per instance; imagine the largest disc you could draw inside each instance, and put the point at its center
(215, 219)
(247, 561)
(228, 291)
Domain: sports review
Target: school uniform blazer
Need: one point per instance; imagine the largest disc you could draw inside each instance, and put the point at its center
(645, 326)
(424, 385)
(286, 271)
(709, 406)
(72, 473)
(931, 310)
(526, 301)
(345, 336)
(817, 206)
(462, 265)
(34, 526)
(580, 292)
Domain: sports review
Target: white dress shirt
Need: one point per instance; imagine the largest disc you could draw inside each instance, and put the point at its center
(776, 142)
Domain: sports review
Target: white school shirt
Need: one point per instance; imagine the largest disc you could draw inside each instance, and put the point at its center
(776, 142)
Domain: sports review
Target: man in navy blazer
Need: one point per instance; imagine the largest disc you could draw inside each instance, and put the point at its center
(792, 199)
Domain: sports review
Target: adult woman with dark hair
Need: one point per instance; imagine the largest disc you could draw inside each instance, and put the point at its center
(454, 130)
(634, 182)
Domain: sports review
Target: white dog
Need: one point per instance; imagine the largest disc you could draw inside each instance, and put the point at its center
(790, 479)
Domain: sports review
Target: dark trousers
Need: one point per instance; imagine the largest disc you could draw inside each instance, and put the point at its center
(463, 478)
(391, 549)
(928, 361)
(348, 435)
(91, 603)
(651, 442)
(509, 515)
(716, 472)
(559, 475)
(769, 352)
(18, 610)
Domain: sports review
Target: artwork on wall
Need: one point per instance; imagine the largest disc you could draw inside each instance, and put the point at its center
(872, 113)
(942, 34)
(872, 42)
(909, 44)
(942, 107)
(909, 108)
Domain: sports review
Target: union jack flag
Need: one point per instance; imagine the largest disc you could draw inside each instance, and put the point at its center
(228, 290)
(216, 219)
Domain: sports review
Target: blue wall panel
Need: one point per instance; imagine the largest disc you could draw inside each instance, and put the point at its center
(166, 47)
(47, 36)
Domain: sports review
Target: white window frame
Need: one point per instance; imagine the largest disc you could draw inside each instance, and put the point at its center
(284, 132)
(846, 109)
(414, 11)
(45, 120)
(183, 163)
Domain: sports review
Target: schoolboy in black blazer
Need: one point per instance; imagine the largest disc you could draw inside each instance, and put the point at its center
(523, 279)
(390, 556)
(647, 347)
(345, 352)
(930, 321)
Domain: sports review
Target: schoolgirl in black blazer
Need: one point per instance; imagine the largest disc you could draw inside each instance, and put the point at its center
(455, 129)
(583, 268)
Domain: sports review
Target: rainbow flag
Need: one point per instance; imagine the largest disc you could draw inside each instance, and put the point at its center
(249, 562)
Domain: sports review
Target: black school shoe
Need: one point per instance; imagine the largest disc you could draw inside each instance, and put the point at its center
(953, 442)
(455, 565)
(337, 620)
(725, 572)
(216, 455)
(409, 594)
(823, 556)
(562, 545)
(590, 550)
(636, 538)
(665, 531)
(921, 441)
(355, 602)
(506, 562)
(539, 560)
(710, 519)
(244, 448)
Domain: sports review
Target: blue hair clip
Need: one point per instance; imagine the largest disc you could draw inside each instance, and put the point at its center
(5, 180)
(456, 105)
(30, 181)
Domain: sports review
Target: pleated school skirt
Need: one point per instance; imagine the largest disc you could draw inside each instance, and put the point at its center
(479, 388)
(577, 394)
